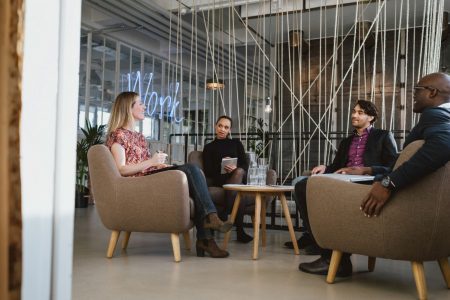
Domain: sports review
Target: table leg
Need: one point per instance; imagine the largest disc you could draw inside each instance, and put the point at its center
(257, 223)
(237, 200)
(287, 216)
(263, 221)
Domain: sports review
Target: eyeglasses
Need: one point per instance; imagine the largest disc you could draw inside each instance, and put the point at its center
(430, 88)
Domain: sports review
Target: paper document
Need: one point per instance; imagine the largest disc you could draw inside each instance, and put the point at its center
(231, 161)
(347, 177)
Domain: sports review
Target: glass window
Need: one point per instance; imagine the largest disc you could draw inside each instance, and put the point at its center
(125, 68)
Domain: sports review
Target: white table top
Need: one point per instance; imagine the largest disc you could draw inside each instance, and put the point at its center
(258, 188)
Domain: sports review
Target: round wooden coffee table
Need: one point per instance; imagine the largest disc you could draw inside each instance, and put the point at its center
(260, 211)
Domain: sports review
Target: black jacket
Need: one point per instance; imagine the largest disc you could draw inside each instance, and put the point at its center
(380, 152)
(434, 128)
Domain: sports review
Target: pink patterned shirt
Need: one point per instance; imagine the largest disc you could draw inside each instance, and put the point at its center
(135, 145)
(357, 148)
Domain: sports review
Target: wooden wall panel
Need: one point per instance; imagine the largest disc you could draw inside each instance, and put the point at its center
(11, 33)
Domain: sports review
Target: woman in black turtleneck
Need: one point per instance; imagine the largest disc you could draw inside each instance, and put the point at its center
(222, 147)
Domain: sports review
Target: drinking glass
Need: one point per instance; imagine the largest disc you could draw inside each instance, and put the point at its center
(161, 157)
(251, 156)
(252, 176)
(262, 161)
(262, 174)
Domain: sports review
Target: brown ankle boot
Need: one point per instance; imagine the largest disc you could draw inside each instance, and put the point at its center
(212, 221)
(210, 246)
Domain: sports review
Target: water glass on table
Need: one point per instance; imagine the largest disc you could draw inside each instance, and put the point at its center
(262, 174)
(252, 176)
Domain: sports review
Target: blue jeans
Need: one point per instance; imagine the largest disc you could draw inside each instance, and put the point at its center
(198, 191)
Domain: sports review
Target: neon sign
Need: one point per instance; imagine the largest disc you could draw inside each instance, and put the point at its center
(155, 104)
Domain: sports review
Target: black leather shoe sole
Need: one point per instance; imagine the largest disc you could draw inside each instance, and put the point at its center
(300, 243)
(321, 265)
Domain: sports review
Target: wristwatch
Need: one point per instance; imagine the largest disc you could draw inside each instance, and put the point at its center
(387, 183)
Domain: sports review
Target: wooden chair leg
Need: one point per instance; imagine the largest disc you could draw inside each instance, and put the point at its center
(176, 246)
(445, 269)
(419, 277)
(187, 240)
(112, 243)
(371, 263)
(126, 238)
(334, 265)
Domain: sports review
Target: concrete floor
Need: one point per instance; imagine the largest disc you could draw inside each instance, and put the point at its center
(147, 271)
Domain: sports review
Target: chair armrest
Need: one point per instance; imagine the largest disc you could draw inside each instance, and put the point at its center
(158, 203)
(336, 220)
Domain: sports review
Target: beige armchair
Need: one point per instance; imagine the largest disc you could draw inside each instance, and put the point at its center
(218, 193)
(155, 203)
(413, 226)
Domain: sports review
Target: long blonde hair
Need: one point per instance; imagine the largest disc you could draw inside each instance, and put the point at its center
(121, 114)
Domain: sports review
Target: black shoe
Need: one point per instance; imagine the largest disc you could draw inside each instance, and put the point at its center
(304, 241)
(311, 249)
(243, 237)
(321, 265)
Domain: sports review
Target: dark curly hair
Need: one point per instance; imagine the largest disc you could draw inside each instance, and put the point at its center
(369, 108)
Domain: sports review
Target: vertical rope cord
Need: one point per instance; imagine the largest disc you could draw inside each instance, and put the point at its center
(355, 36)
(383, 68)
(334, 70)
(320, 82)
(396, 58)
(405, 90)
(246, 84)
(291, 84)
(374, 65)
(190, 80)
(236, 76)
(411, 99)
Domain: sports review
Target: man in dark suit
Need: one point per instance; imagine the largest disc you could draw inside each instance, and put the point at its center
(366, 147)
(432, 101)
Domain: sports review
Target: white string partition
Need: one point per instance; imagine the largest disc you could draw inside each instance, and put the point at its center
(333, 80)
(341, 75)
(383, 71)
(355, 36)
(236, 78)
(374, 68)
(320, 84)
(299, 19)
(213, 54)
(414, 79)
(246, 84)
(291, 72)
(405, 81)
(306, 144)
(322, 73)
(340, 86)
(437, 40)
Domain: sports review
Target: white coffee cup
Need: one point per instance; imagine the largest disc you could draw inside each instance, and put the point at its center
(161, 157)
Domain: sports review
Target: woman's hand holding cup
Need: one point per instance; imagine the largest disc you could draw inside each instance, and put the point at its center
(159, 158)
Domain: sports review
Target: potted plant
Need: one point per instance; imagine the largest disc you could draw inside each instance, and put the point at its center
(261, 144)
(92, 136)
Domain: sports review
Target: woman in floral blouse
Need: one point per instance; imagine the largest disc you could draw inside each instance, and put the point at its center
(131, 154)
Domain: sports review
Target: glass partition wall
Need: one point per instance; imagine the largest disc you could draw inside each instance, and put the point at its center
(174, 103)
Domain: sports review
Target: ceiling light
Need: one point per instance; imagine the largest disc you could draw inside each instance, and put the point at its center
(214, 84)
(268, 108)
(296, 40)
